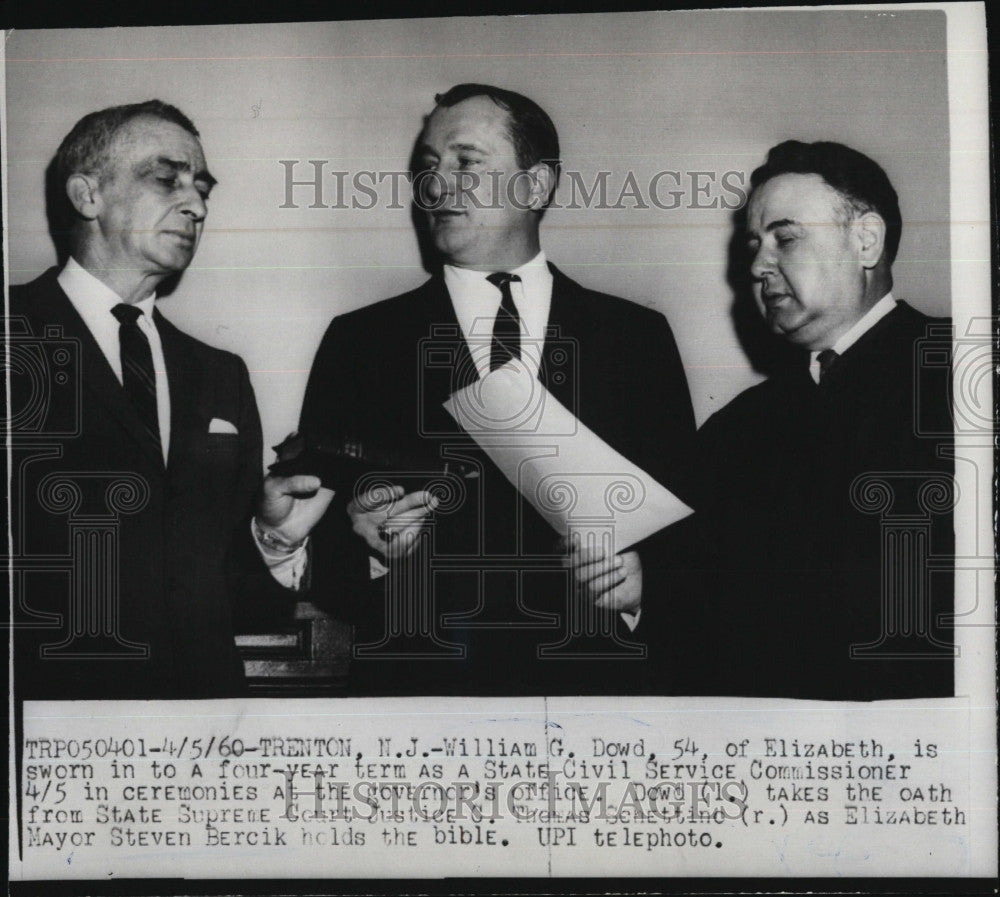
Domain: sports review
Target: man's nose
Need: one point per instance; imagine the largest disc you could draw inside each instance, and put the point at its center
(432, 186)
(435, 183)
(761, 263)
(194, 205)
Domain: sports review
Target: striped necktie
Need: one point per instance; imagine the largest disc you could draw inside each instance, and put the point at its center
(138, 376)
(506, 343)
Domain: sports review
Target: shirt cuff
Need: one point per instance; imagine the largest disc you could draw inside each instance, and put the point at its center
(376, 569)
(287, 569)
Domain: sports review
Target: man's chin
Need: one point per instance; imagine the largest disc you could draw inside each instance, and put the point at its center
(179, 259)
(791, 331)
(449, 245)
(174, 266)
(804, 336)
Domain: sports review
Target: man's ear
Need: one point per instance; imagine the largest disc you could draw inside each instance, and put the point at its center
(869, 231)
(84, 195)
(543, 183)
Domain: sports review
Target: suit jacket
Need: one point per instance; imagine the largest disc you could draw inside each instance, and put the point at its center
(818, 565)
(130, 571)
(488, 597)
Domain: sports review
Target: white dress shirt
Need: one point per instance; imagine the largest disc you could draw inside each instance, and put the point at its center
(874, 314)
(93, 299)
(476, 302)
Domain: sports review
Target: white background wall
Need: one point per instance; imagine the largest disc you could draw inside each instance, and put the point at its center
(696, 91)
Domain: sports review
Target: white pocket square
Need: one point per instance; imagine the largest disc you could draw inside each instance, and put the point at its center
(218, 425)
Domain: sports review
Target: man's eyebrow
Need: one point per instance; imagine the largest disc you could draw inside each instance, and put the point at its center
(770, 227)
(426, 150)
(180, 165)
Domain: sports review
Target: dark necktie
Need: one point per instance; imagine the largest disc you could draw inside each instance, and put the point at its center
(507, 326)
(138, 376)
(827, 359)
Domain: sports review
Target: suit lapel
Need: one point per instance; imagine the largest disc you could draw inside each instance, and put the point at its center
(560, 369)
(441, 314)
(437, 325)
(184, 376)
(52, 306)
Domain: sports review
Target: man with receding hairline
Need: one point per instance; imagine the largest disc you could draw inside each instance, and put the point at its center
(166, 455)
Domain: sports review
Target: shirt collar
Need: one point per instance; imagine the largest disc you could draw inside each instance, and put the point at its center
(874, 314)
(535, 276)
(91, 296)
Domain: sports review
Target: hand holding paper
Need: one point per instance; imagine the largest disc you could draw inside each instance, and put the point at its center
(609, 582)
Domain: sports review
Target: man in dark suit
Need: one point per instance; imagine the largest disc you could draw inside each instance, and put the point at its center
(462, 588)
(824, 526)
(137, 455)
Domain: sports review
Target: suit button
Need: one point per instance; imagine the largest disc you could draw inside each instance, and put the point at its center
(173, 583)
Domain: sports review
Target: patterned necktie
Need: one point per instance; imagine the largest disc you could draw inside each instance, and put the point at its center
(827, 359)
(138, 376)
(507, 326)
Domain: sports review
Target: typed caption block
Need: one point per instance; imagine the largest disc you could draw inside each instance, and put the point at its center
(303, 789)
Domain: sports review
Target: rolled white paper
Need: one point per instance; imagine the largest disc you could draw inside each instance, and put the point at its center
(572, 477)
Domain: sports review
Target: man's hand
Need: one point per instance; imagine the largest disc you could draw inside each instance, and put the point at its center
(609, 583)
(290, 507)
(390, 521)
